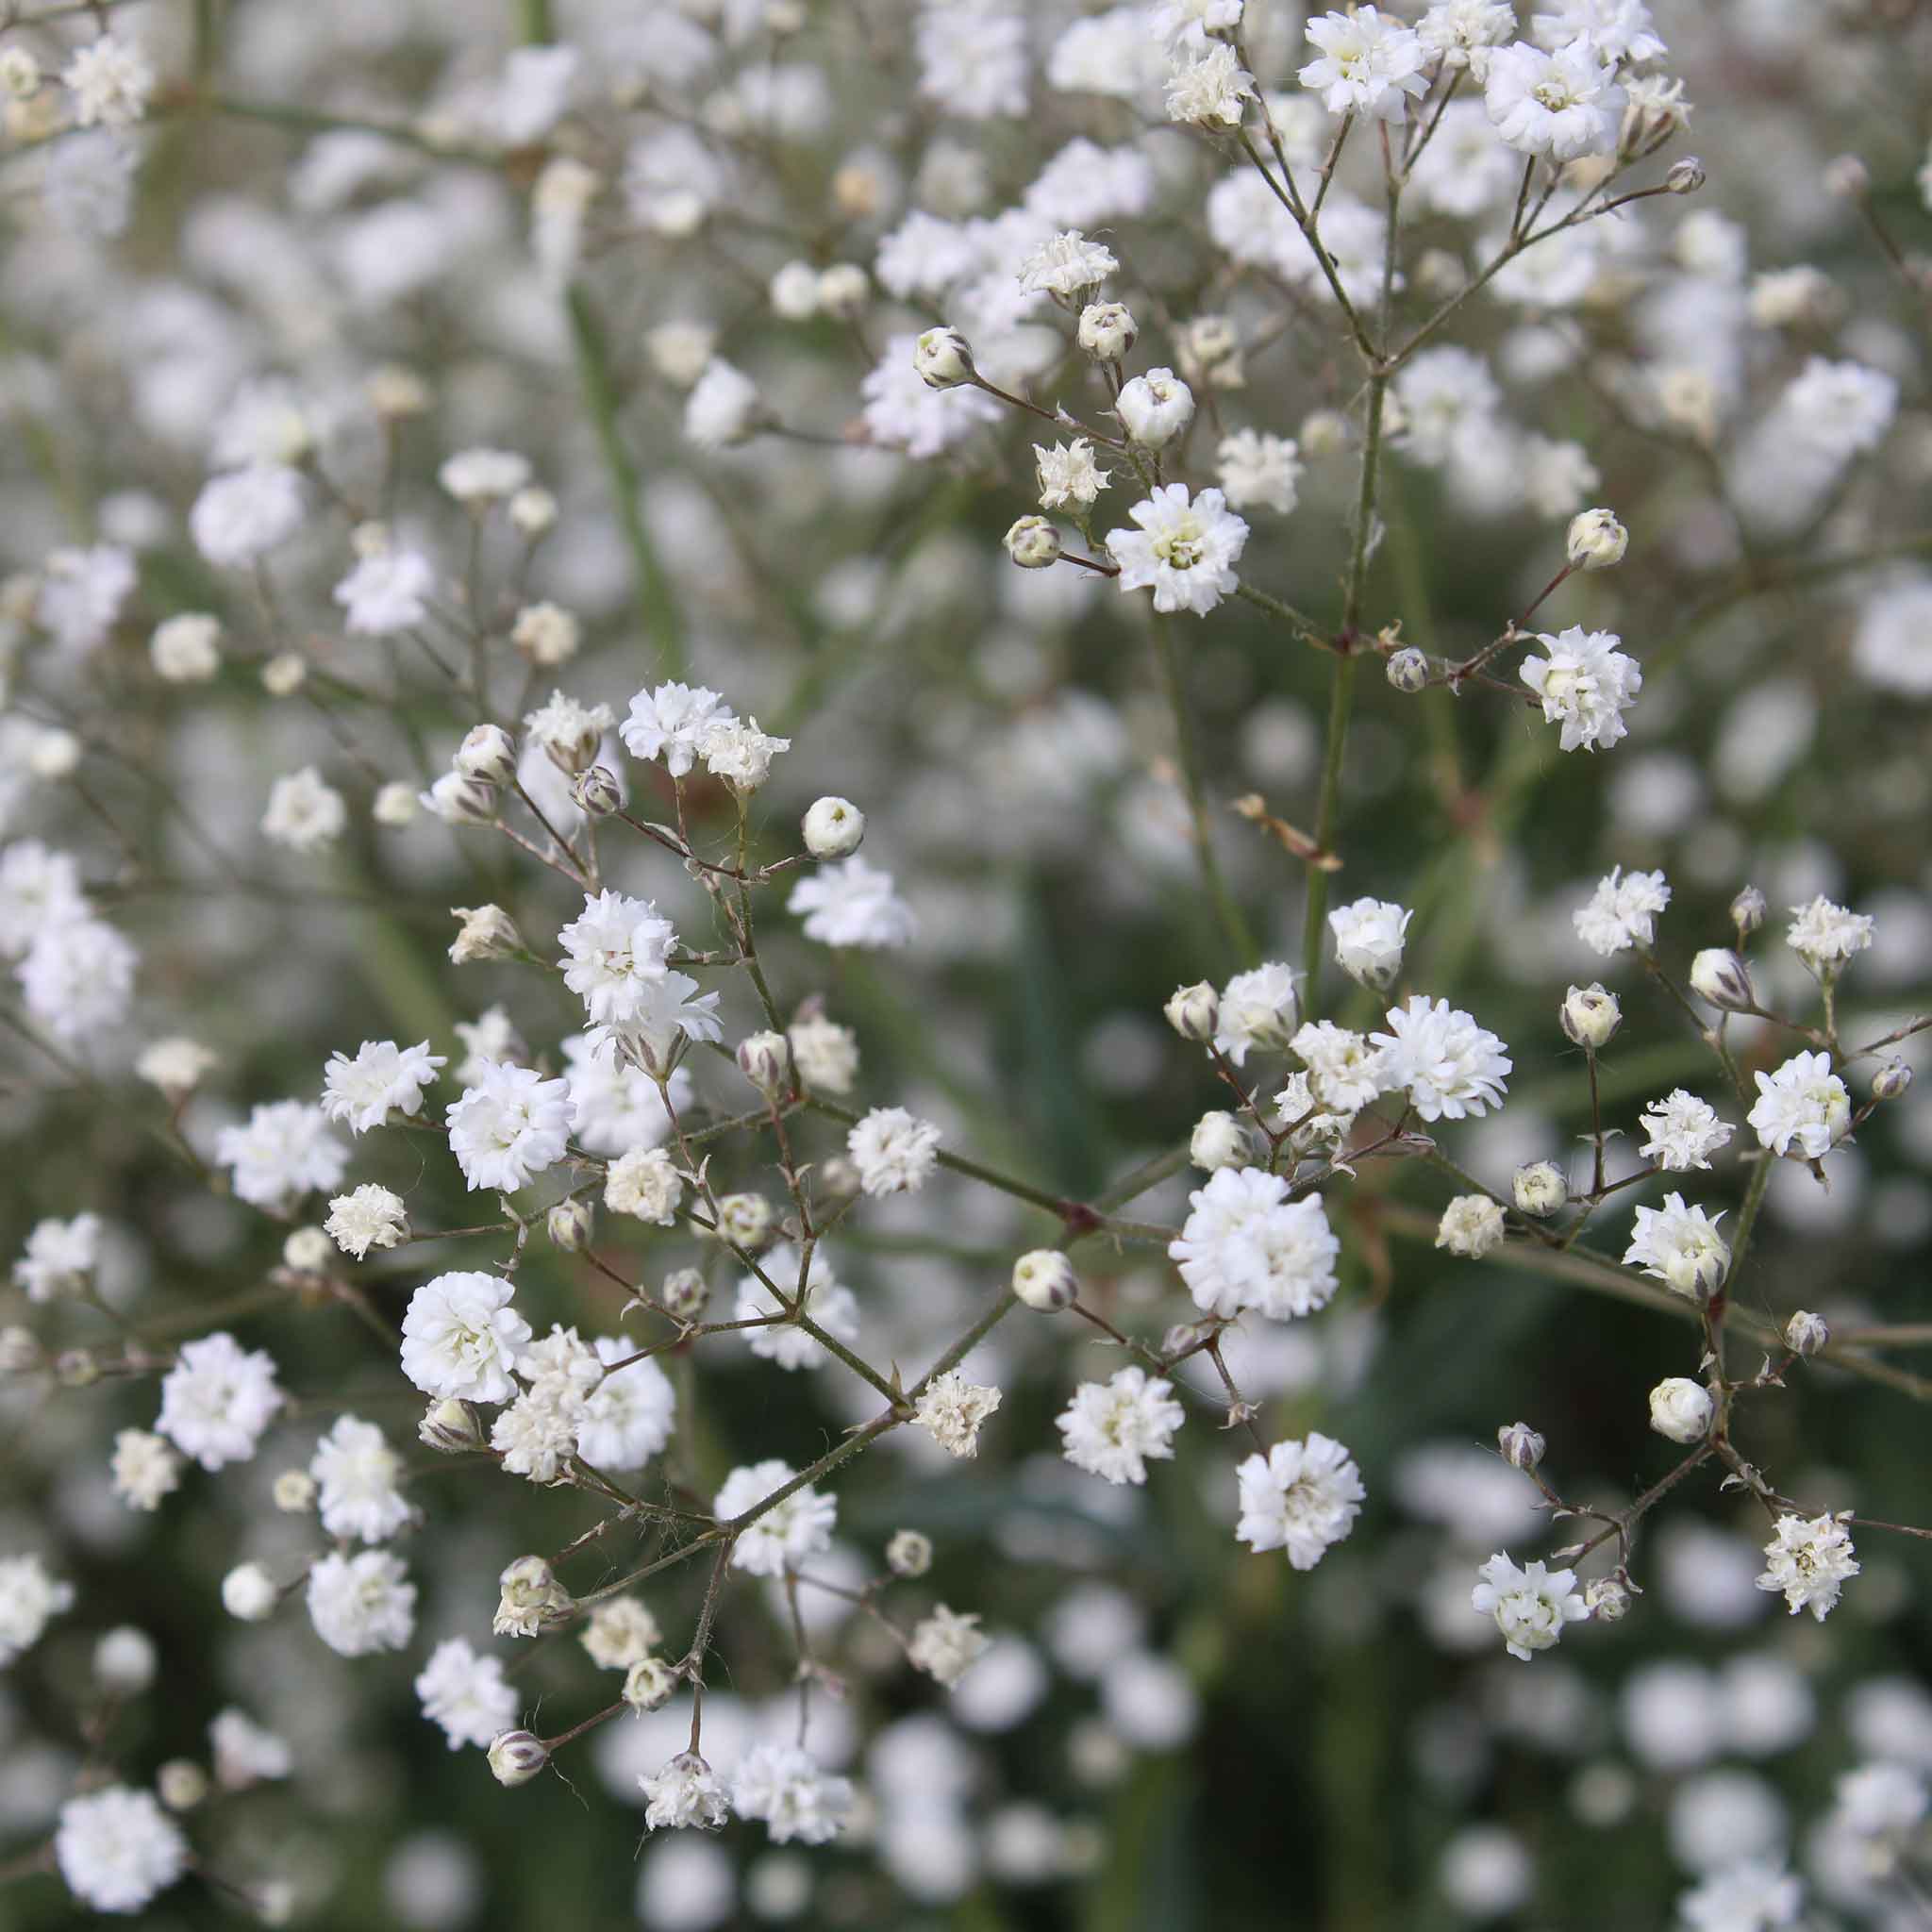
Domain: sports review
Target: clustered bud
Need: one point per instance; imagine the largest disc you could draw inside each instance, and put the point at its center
(1891, 1080)
(910, 1553)
(1045, 1279)
(570, 1222)
(942, 358)
(1194, 1011)
(1520, 1445)
(765, 1060)
(1806, 1333)
(1747, 912)
(1033, 544)
(1408, 670)
(1719, 975)
(1591, 1016)
(1540, 1189)
(833, 829)
(516, 1757)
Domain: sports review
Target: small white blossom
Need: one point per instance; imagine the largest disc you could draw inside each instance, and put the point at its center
(1067, 475)
(1471, 1226)
(460, 1336)
(1802, 1105)
(787, 1791)
(1683, 1132)
(1246, 1244)
(1622, 911)
(1825, 936)
(1111, 1429)
(366, 1217)
(851, 903)
(1564, 105)
(1809, 1562)
(786, 1533)
(1259, 1007)
(29, 1598)
(1585, 685)
(1302, 1497)
(303, 812)
(361, 1605)
(381, 1079)
(218, 1399)
(1066, 264)
(1368, 64)
(117, 1849)
(1369, 940)
(646, 1183)
(466, 1695)
(1450, 1067)
(682, 1795)
(951, 1410)
(509, 1126)
(946, 1644)
(1257, 471)
(1681, 1248)
(1681, 1410)
(144, 1468)
(356, 1474)
(1530, 1605)
(1214, 88)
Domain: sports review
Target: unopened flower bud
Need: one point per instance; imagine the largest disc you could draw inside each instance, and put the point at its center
(1033, 544)
(833, 829)
(910, 1553)
(1156, 408)
(568, 1224)
(457, 799)
(532, 510)
(249, 1593)
(294, 1492)
(1607, 1599)
(597, 792)
(1520, 1445)
(1408, 670)
(181, 1784)
(1847, 177)
(1891, 1080)
(394, 804)
(648, 1684)
(745, 1221)
(1719, 975)
(76, 1368)
(284, 675)
(308, 1250)
(683, 1293)
(1194, 1011)
(942, 358)
(1471, 1226)
(1596, 540)
(1806, 1333)
(516, 1757)
(489, 933)
(1220, 1141)
(838, 1178)
(765, 1060)
(1681, 1410)
(487, 752)
(1043, 1278)
(531, 1597)
(1686, 177)
(1540, 1189)
(1747, 911)
(1591, 1016)
(450, 1426)
(1107, 332)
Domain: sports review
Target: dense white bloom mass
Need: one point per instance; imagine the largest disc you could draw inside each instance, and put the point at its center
(1112, 1428)
(460, 1336)
(1750, 1896)
(283, 1152)
(1809, 1562)
(117, 1849)
(1824, 936)
(786, 1790)
(1367, 65)
(616, 948)
(59, 1257)
(509, 1126)
(1564, 105)
(382, 1078)
(1802, 1108)
(1585, 685)
(1184, 551)
(1530, 1605)
(627, 1417)
(1368, 936)
(828, 1301)
(1246, 1244)
(356, 1474)
(1257, 1008)
(1301, 1497)
(1450, 1067)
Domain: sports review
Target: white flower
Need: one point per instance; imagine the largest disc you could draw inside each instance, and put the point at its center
(366, 1217)
(81, 594)
(466, 1695)
(1155, 408)
(509, 1126)
(1369, 64)
(1751, 1896)
(537, 1433)
(1448, 1065)
(303, 812)
(109, 81)
(1066, 264)
(29, 1598)
(785, 1789)
(951, 1410)
(117, 1849)
(666, 1013)
(1824, 936)
(621, 1631)
(724, 407)
(1883, 1805)
(627, 1418)
(361, 1605)
(1302, 1497)
(946, 1644)
(824, 1054)
(851, 903)
(742, 754)
(218, 1399)
(1067, 474)
(893, 1151)
(1190, 22)
(78, 979)
(529, 1598)
(356, 1474)
(1345, 1072)
(476, 478)
(40, 889)
(1892, 649)
(1618, 30)
(1802, 1105)
(1369, 940)
(386, 592)
(785, 1535)
(383, 1078)
(673, 722)
(1212, 89)
(1463, 31)
(1622, 911)
(615, 948)
(144, 1468)
(1471, 1226)
(1683, 1132)
(1585, 685)
(1809, 1562)
(830, 1304)
(244, 514)
(619, 1106)
(1257, 471)
(1681, 1410)
(903, 412)
(186, 649)
(1530, 1605)
(682, 1794)
(460, 1336)
(1246, 1244)
(1184, 552)
(1563, 105)
(570, 732)
(59, 1257)
(175, 1065)
(646, 1183)
(1257, 1008)
(1681, 1248)
(1111, 1429)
